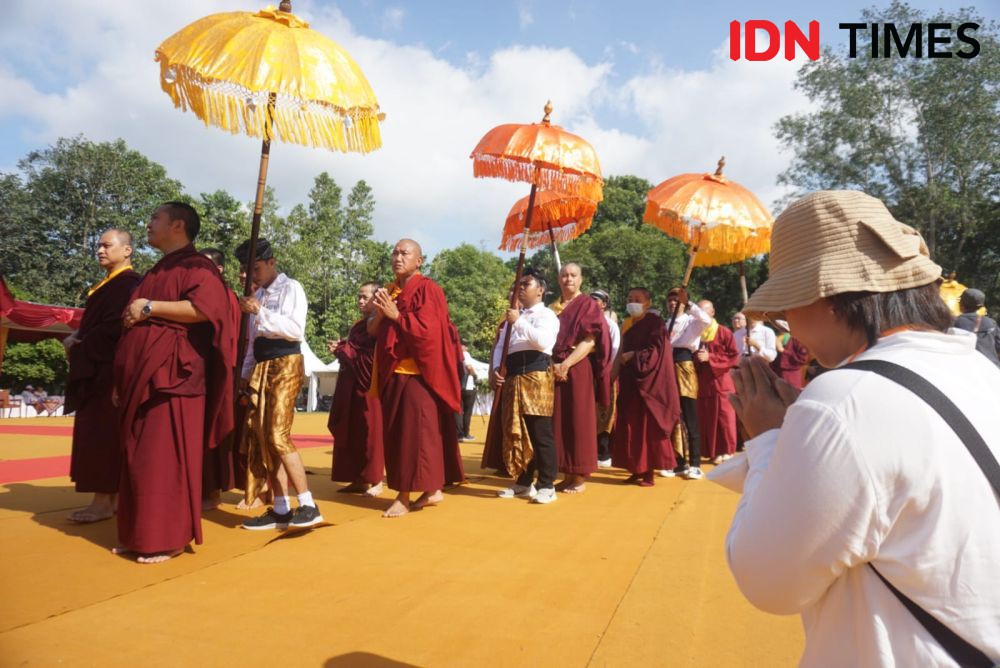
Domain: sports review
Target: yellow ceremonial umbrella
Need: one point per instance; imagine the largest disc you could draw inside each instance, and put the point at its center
(267, 74)
(719, 219)
(951, 293)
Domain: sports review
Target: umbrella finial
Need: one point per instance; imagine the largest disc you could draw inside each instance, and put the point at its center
(285, 6)
(722, 163)
(548, 112)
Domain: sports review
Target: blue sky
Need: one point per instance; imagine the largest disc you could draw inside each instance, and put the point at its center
(648, 83)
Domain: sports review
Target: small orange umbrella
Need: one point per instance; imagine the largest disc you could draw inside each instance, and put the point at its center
(719, 219)
(556, 218)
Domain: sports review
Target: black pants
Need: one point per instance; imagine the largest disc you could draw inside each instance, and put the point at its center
(468, 402)
(545, 461)
(603, 446)
(689, 413)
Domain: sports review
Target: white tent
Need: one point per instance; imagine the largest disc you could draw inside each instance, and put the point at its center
(322, 377)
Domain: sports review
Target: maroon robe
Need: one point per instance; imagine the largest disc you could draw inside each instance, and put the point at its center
(95, 462)
(356, 414)
(418, 411)
(649, 404)
(574, 416)
(174, 384)
(716, 416)
(493, 444)
(223, 468)
(790, 362)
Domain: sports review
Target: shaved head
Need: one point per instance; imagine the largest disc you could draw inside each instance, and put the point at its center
(124, 236)
(407, 257)
(707, 306)
(412, 244)
(568, 265)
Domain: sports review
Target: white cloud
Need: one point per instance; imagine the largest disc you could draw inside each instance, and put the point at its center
(422, 177)
(525, 17)
(392, 18)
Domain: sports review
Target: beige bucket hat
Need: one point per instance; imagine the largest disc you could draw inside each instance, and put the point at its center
(835, 241)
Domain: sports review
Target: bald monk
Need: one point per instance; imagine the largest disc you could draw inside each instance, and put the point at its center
(649, 404)
(415, 358)
(713, 362)
(582, 357)
(95, 462)
(355, 413)
(173, 381)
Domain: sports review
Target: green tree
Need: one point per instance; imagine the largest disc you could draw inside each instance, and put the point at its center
(41, 363)
(476, 283)
(922, 134)
(624, 202)
(225, 224)
(69, 194)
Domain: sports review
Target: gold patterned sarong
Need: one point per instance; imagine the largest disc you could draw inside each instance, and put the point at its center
(274, 387)
(530, 393)
(687, 379)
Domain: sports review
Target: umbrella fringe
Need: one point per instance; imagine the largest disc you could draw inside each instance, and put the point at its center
(544, 176)
(723, 239)
(537, 239)
(308, 123)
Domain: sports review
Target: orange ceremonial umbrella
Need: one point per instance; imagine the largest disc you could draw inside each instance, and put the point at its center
(555, 218)
(719, 219)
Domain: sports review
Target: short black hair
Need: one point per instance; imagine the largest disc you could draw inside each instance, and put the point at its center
(876, 312)
(215, 255)
(537, 276)
(264, 251)
(644, 291)
(370, 284)
(184, 211)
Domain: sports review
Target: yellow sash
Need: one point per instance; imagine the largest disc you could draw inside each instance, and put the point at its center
(107, 278)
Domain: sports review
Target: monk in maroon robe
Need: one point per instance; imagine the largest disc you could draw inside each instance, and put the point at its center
(174, 383)
(649, 405)
(792, 357)
(582, 367)
(713, 362)
(95, 462)
(416, 379)
(355, 413)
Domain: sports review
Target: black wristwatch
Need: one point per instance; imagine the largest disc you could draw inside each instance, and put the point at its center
(147, 310)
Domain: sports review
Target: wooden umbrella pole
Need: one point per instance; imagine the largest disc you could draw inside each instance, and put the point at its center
(687, 279)
(743, 282)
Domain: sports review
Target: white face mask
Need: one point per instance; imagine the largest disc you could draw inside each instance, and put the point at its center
(634, 308)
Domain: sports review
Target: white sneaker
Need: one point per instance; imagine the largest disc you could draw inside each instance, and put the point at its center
(519, 491)
(693, 473)
(667, 473)
(544, 495)
(726, 458)
(603, 463)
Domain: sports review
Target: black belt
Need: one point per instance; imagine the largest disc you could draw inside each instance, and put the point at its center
(271, 349)
(683, 355)
(526, 361)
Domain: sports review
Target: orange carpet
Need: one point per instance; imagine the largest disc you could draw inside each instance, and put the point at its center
(616, 576)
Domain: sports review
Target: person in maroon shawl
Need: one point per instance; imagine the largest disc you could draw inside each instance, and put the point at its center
(715, 359)
(95, 462)
(649, 404)
(415, 377)
(792, 356)
(583, 337)
(173, 383)
(355, 413)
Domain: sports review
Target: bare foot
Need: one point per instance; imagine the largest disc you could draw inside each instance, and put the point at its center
(92, 513)
(575, 489)
(121, 549)
(397, 509)
(212, 501)
(243, 505)
(374, 490)
(427, 499)
(354, 488)
(157, 557)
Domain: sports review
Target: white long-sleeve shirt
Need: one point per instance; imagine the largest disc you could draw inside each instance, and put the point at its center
(615, 334)
(761, 335)
(688, 327)
(536, 329)
(282, 315)
(863, 470)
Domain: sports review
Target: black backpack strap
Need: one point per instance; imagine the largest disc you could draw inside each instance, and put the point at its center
(959, 649)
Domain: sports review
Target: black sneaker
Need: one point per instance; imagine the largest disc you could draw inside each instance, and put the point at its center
(269, 520)
(305, 516)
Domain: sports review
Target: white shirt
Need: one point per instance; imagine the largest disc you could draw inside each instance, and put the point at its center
(863, 470)
(761, 335)
(478, 370)
(615, 335)
(688, 327)
(282, 315)
(536, 329)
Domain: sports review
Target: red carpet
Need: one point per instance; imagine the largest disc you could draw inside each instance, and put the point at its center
(39, 430)
(20, 470)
